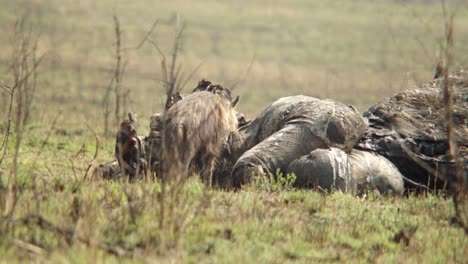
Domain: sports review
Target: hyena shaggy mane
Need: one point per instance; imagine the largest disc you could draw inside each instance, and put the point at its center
(194, 131)
(129, 149)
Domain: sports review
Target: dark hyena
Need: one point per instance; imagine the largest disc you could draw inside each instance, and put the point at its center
(194, 131)
(129, 150)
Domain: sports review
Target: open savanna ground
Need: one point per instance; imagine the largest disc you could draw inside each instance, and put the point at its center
(357, 52)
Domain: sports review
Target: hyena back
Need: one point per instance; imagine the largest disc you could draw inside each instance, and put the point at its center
(194, 131)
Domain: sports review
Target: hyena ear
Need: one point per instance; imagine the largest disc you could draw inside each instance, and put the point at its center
(234, 103)
(177, 97)
(132, 117)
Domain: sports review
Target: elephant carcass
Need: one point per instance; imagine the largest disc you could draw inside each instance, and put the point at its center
(410, 129)
(334, 169)
(290, 128)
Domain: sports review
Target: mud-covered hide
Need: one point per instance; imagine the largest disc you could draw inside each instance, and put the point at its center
(357, 172)
(410, 129)
(290, 128)
(153, 142)
(375, 172)
(231, 152)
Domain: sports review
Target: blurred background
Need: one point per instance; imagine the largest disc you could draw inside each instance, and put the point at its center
(357, 52)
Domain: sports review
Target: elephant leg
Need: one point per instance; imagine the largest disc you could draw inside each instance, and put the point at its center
(275, 153)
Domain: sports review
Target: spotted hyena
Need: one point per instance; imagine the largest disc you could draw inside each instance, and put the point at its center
(194, 131)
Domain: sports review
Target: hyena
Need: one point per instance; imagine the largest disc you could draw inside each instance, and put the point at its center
(129, 150)
(194, 131)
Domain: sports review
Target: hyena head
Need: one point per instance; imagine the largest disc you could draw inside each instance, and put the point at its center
(202, 86)
(195, 129)
(205, 85)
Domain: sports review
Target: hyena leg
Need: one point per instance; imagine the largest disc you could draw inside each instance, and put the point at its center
(206, 172)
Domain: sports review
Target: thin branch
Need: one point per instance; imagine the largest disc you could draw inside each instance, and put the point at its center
(147, 35)
(67, 233)
(30, 247)
(105, 102)
(189, 76)
(156, 46)
(416, 184)
(458, 179)
(117, 88)
(96, 152)
(6, 88)
(8, 130)
(32, 70)
(170, 77)
(73, 158)
(34, 175)
(175, 82)
(246, 73)
(49, 133)
(175, 53)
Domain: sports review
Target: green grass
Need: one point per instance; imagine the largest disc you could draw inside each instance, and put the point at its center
(248, 226)
(353, 51)
(253, 225)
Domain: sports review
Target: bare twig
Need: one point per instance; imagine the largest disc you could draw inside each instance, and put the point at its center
(67, 233)
(3, 147)
(173, 219)
(34, 175)
(6, 88)
(46, 141)
(25, 63)
(116, 81)
(189, 76)
(147, 35)
(416, 184)
(170, 76)
(106, 106)
(117, 75)
(29, 247)
(21, 73)
(96, 152)
(36, 193)
(123, 92)
(73, 158)
(246, 73)
(175, 53)
(156, 46)
(458, 180)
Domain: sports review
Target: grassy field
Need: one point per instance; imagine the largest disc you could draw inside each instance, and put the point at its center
(357, 52)
(106, 219)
